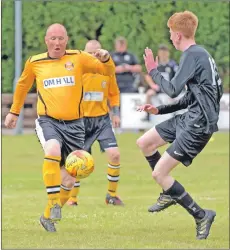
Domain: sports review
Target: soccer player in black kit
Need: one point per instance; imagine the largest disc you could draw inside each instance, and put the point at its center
(188, 133)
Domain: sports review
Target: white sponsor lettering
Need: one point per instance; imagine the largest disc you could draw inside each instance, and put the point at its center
(93, 96)
(59, 82)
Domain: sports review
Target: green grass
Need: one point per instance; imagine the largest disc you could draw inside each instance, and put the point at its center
(93, 224)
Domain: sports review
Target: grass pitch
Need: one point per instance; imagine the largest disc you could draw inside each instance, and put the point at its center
(93, 224)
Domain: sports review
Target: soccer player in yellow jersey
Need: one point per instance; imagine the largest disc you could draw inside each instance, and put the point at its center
(98, 90)
(59, 127)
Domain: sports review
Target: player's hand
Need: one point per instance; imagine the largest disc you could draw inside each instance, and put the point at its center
(148, 108)
(102, 55)
(116, 121)
(11, 120)
(120, 69)
(150, 62)
(128, 68)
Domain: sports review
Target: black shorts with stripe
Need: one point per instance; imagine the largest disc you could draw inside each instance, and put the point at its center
(187, 141)
(99, 129)
(70, 134)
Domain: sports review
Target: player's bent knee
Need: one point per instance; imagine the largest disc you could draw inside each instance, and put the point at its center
(52, 147)
(141, 143)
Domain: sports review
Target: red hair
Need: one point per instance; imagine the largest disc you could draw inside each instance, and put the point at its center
(185, 22)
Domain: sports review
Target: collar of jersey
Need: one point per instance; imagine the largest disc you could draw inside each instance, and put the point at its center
(51, 58)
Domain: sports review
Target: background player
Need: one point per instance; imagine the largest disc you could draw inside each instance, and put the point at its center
(98, 91)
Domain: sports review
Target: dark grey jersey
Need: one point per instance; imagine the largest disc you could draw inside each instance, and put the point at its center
(198, 72)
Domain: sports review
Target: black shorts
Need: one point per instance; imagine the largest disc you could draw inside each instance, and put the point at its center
(186, 141)
(100, 129)
(70, 134)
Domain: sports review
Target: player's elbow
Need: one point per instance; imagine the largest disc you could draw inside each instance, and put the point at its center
(173, 94)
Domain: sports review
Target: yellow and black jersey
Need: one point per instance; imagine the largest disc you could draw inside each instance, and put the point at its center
(97, 91)
(59, 83)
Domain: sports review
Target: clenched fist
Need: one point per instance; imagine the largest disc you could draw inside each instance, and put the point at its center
(102, 55)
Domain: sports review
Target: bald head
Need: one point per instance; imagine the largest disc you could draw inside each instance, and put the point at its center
(91, 46)
(56, 27)
(56, 40)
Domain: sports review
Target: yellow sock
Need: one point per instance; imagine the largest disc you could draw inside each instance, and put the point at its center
(113, 178)
(52, 181)
(64, 194)
(75, 191)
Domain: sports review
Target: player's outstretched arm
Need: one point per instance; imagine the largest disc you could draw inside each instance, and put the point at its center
(100, 63)
(23, 86)
(166, 109)
(185, 72)
(149, 108)
(182, 103)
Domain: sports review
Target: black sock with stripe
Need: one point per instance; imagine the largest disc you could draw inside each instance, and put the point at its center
(177, 192)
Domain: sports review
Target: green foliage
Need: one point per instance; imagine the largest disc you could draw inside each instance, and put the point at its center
(7, 46)
(143, 23)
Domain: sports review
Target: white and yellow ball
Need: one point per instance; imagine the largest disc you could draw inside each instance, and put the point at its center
(79, 164)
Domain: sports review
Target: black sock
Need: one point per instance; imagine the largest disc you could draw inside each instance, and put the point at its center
(153, 159)
(177, 192)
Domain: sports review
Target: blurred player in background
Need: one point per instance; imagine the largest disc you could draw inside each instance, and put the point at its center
(98, 91)
(127, 66)
(188, 133)
(59, 127)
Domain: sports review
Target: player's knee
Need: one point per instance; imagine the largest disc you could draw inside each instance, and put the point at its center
(114, 156)
(141, 143)
(52, 147)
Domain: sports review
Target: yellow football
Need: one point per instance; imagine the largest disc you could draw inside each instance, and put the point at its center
(79, 164)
